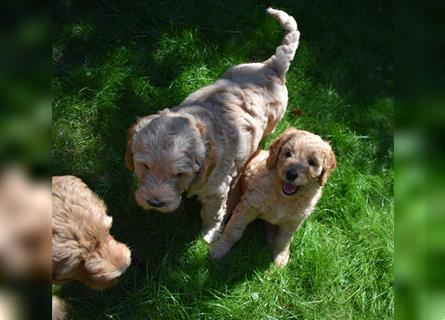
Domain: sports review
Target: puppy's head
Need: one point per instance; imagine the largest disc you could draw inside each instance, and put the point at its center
(166, 153)
(104, 265)
(88, 253)
(301, 159)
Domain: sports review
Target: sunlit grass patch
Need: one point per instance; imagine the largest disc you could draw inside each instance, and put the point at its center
(116, 61)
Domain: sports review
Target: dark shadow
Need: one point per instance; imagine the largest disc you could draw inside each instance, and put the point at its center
(348, 41)
(160, 258)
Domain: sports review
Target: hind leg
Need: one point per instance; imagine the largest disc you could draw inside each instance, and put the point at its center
(271, 231)
(281, 246)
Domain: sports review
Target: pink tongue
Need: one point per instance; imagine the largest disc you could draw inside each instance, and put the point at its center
(289, 188)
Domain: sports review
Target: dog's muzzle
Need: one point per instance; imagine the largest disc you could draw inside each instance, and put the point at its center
(155, 203)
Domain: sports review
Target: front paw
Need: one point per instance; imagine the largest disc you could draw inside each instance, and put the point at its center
(271, 233)
(210, 235)
(281, 259)
(219, 249)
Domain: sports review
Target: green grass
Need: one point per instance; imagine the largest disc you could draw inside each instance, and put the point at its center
(115, 60)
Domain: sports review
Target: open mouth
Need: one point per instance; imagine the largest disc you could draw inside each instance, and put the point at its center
(289, 188)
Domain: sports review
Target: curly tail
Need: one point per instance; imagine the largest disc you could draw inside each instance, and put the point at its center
(285, 53)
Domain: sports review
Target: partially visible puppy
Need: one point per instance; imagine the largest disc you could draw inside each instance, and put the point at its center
(25, 227)
(83, 248)
(282, 187)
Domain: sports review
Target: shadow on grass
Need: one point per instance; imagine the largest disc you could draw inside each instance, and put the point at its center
(132, 58)
(151, 44)
(169, 266)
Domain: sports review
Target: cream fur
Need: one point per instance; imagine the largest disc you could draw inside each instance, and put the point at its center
(263, 196)
(201, 146)
(58, 309)
(83, 248)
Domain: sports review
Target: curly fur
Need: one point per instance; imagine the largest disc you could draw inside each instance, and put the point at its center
(83, 248)
(265, 184)
(201, 146)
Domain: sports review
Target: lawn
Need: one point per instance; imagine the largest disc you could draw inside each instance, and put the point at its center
(116, 60)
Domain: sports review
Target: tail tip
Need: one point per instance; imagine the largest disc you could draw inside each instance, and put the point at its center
(287, 21)
(280, 15)
(272, 11)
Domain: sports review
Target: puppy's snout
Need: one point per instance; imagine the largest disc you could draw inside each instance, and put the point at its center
(155, 203)
(291, 174)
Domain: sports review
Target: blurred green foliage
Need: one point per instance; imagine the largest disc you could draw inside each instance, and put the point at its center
(25, 112)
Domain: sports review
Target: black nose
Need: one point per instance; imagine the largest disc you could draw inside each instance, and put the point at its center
(291, 174)
(155, 203)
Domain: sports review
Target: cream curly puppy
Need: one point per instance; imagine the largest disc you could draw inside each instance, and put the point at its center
(200, 146)
(83, 248)
(282, 187)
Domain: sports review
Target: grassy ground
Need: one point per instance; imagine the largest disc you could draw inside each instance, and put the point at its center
(115, 60)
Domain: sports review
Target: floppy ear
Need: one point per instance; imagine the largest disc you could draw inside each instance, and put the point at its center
(275, 147)
(134, 129)
(329, 164)
(128, 152)
(100, 273)
(116, 259)
(205, 151)
(71, 258)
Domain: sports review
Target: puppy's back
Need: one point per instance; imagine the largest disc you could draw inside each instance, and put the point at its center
(73, 191)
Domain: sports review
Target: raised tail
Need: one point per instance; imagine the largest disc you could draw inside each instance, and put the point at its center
(285, 53)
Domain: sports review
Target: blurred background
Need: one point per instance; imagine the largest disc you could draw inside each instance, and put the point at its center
(25, 145)
(419, 160)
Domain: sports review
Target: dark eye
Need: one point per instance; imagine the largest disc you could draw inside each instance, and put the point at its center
(288, 154)
(180, 174)
(311, 162)
(146, 166)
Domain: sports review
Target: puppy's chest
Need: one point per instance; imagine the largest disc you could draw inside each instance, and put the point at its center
(280, 213)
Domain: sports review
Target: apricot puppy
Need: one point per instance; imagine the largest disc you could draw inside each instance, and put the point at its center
(282, 187)
(83, 248)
